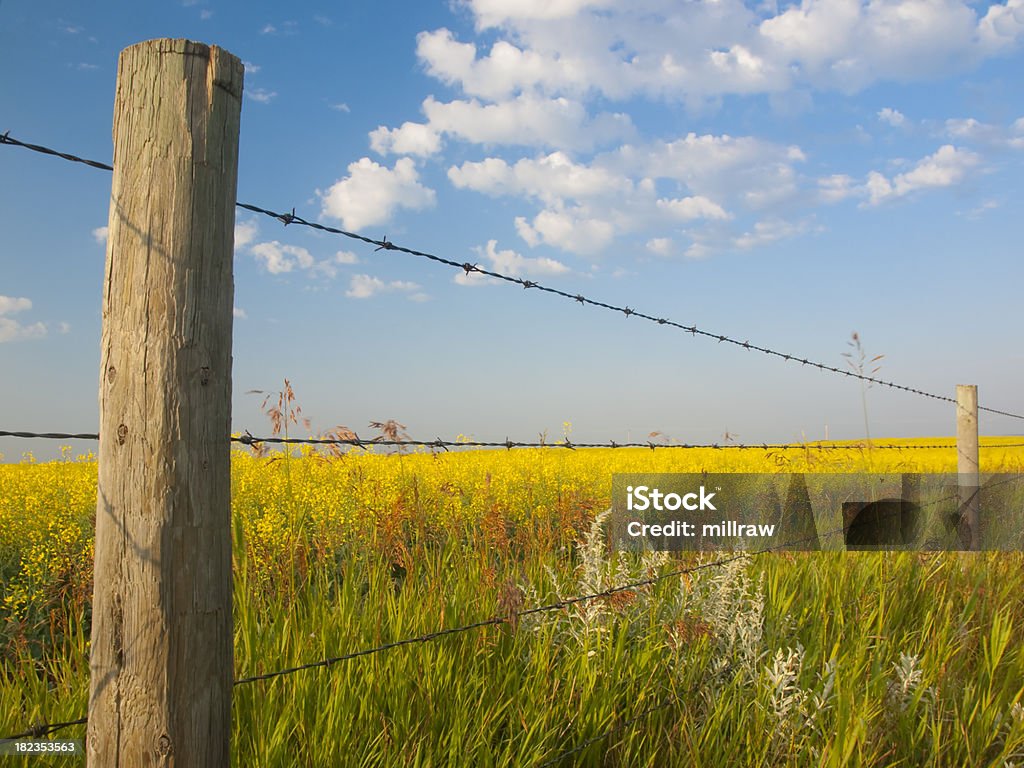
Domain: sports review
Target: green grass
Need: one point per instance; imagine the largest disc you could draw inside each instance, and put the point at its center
(795, 659)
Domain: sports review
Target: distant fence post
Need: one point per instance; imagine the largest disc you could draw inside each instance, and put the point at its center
(967, 462)
(161, 658)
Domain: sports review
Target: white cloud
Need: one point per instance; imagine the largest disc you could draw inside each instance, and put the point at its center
(341, 107)
(493, 13)
(946, 167)
(245, 233)
(409, 139)
(10, 305)
(550, 178)
(268, 29)
(239, 313)
(64, 328)
(365, 286)
(696, 207)
(570, 230)
(586, 205)
(526, 120)
(262, 95)
(972, 130)
(836, 187)
(660, 246)
(250, 68)
(508, 262)
(205, 14)
(371, 193)
(11, 329)
(100, 235)
(1002, 27)
(893, 117)
(278, 258)
(699, 50)
(768, 231)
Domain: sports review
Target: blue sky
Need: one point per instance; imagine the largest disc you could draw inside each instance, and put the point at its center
(786, 173)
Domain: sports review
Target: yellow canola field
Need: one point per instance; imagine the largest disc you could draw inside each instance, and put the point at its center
(47, 510)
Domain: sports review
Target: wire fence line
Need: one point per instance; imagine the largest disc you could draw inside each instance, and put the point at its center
(438, 443)
(287, 218)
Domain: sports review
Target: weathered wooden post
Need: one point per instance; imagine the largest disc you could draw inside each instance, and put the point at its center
(967, 463)
(161, 658)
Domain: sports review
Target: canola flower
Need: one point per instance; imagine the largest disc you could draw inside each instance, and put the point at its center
(307, 503)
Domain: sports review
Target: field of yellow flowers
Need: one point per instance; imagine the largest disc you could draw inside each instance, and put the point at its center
(805, 659)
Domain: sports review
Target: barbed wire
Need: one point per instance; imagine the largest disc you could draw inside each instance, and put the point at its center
(468, 268)
(43, 729)
(357, 442)
(5, 138)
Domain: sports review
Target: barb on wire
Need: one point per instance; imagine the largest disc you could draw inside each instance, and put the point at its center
(385, 244)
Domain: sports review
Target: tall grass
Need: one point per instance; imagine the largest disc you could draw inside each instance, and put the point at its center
(820, 658)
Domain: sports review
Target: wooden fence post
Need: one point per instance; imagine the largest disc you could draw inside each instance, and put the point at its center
(161, 658)
(967, 463)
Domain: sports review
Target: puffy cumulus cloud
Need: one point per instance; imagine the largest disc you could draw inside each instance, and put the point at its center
(661, 246)
(946, 167)
(671, 50)
(261, 95)
(366, 286)
(985, 134)
(837, 187)
(550, 178)
(1002, 26)
(282, 258)
(278, 258)
(12, 329)
(492, 13)
(696, 207)
(571, 230)
(720, 173)
(408, 139)
(239, 313)
(526, 120)
(893, 117)
(707, 162)
(509, 262)
(585, 206)
(849, 44)
(371, 193)
(769, 231)
(100, 235)
(10, 305)
(245, 234)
